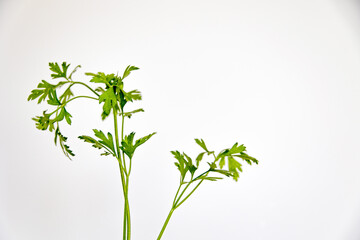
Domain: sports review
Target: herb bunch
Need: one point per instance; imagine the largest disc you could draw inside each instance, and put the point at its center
(113, 98)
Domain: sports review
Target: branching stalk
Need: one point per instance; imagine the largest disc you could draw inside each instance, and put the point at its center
(177, 198)
(182, 193)
(64, 104)
(178, 205)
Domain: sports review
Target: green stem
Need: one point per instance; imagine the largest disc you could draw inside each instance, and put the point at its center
(201, 175)
(165, 224)
(125, 222)
(62, 105)
(128, 218)
(176, 199)
(182, 193)
(86, 86)
(178, 205)
(123, 181)
(122, 138)
(214, 156)
(127, 207)
(176, 195)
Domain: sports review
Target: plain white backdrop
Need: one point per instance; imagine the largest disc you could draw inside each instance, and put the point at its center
(281, 77)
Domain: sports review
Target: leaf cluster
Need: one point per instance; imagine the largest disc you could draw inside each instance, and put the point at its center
(46, 91)
(234, 167)
(185, 164)
(113, 95)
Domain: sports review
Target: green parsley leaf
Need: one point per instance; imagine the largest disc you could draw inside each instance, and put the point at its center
(108, 79)
(110, 101)
(190, 165)
(237, 149)
(53, 100)
(222, 162)
(199, 158)
(223, 172)
(91, 140)
(234, 166)
(181, 164)
(60, 116)
(58, 73)
(247, 158)
(128, 71)
(73, 71)
(63, 114)
(67, 94)
(62, 139)
(105, 140)
(100, 77)
(132, 95)
(43, 90)
(142, 140)
(43, 122)
(201, 143)
(105, 143)
(129, 114)
(42, 93)
(128, 146)
(67, 116)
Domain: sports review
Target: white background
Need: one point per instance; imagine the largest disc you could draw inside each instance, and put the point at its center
(280, 76)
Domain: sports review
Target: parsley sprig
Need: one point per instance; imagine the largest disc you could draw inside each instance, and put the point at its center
(113, 98)
(46, 91)
(189, 168)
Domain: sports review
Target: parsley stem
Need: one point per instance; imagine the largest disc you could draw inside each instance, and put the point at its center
(183, 191)
(128, 225)
(122, 138)
(124, 191)
(86, 86)
(127, 207)
(176, 195)
(125, 223)
(178, 205)
(165, 224)
(176, 199)
(201, 175)
(80, 97)
(63, 105)
(121, 172)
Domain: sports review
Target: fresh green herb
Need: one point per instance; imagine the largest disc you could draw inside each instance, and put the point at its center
(113, 98)
(189, 183)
